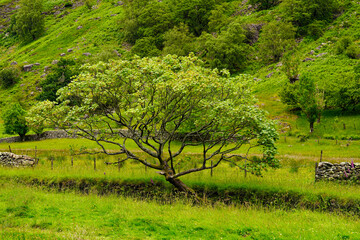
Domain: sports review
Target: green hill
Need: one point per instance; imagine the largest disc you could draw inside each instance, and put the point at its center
(92, 31)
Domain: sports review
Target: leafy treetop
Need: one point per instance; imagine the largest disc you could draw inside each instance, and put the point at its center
(164, 106)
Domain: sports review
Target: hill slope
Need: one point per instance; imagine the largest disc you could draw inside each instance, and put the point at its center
(74, 31)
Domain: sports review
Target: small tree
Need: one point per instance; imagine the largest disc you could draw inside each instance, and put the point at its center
(291, 66)
(29, 21)
(14, 121)
(275, 39)
(305, 95)
(165, 106)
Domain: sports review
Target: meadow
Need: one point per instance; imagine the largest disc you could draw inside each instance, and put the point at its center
(284, 203)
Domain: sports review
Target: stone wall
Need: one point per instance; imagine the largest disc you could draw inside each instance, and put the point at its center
(337, 171)
(13, 160)
(42, 136)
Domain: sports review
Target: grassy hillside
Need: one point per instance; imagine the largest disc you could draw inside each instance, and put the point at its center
(73, 29)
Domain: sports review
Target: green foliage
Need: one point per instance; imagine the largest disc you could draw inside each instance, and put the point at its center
(264, 4)
(146, 19)
(305, 95)
(305, 12)
(89, 4)
(146, 47)
(219, 17)
(58, 78)
(14, 120)
(343, 44)
(29, 21)
(344, 93)
(178, 41)
(291, 65)
(194, 13)
(177, 93)
(316, 29)
(353, 51)
(9, 76)
(275, 39)
(227, 50)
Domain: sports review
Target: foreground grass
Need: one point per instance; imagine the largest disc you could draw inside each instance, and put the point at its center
(28, 213)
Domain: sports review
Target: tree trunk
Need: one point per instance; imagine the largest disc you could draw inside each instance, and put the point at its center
(311, 127)
(182, 187)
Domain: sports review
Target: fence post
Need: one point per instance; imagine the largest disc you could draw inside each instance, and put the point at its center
(95, 163)
(321, 155)
(10, 149)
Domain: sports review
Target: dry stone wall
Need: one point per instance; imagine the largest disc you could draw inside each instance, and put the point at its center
(13, 160)
(337, 171)
(42, 136)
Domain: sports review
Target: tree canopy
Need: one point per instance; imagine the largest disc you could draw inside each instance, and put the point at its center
(29, 21)
(14, 120)
(164, 106)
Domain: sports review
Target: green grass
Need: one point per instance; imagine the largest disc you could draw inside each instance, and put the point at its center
(296, 172)
(29, 213)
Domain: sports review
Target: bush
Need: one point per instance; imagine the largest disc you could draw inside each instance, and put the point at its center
(60, 77)
(353, 51)
(14, 121)
(343, 44)
(316, 29)
(9, 76)
(264, 4)
(89, 4)
(29, 22)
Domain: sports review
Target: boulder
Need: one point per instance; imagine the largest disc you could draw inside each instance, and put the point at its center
(27, 68)
(270, 75)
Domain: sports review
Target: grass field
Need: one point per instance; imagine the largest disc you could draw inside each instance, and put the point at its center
(28, 213)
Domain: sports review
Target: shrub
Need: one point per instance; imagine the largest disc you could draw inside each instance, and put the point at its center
(343, 44)
(60, 77)
(9, 76)
(353, 51)
(89, 4)
(29, 21)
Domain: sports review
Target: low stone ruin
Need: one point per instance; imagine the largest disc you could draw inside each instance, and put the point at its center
(13, 160)
(337, 171)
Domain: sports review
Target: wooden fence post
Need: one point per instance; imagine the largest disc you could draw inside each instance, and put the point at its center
(10, 149)
(95, 163)
(321, 155)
